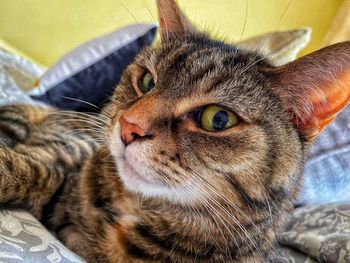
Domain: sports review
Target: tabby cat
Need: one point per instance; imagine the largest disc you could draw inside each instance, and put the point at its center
(198, 157)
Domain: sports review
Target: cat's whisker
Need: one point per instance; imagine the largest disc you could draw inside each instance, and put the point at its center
(211, 188)
(202, 183)
(131, 14)
(77, 121)
(245, 19)
(76, 115)
(229, 215)
(245, 216)
(285, 12)
(138, 24)
(268, 205)
(228, 202)
(211, 213)
(219, 216)
(67, 122)
(145, 5)
(82, 101)
(97, 134)
(81, 115)
(79, 142)
(265, 41)
(216, 216)
(220, 230)
(224, 221)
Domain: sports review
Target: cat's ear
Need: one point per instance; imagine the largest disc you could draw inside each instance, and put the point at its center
(315, 88)
(171, 19)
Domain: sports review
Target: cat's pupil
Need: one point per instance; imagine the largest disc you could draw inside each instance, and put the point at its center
(150, 84)
(220, 120)
(147, 83)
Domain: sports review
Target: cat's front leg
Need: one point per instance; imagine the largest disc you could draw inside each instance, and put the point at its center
(17, 122)
(26, 183)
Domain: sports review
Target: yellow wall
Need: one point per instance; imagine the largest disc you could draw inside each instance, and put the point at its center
(46, 29)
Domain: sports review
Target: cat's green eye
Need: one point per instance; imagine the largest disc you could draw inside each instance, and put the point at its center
(147, 83)
(214, 118)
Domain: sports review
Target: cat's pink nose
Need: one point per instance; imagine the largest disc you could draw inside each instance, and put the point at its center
(131, 131)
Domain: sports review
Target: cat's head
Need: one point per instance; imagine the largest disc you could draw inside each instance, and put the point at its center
(198, 121)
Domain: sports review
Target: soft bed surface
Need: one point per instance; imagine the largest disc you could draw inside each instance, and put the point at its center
(318, 233)
(24, 239)
(313, 233)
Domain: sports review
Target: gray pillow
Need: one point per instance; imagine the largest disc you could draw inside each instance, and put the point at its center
(316, 233)
(24, 239)
(327, 171)
(89, 74)
(16, 75)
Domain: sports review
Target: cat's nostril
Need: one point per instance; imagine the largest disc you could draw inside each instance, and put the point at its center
(148, 135)
(131, 132)
(135, 136)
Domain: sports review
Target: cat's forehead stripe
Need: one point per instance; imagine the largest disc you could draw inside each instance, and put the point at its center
(198, 46)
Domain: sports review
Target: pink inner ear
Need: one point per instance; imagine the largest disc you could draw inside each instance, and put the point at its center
(171, 19)
(169, 26)
(325, 107)
(315, 88)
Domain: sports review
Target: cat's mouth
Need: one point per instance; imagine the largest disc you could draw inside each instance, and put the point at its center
(132, 170)
(129, 174)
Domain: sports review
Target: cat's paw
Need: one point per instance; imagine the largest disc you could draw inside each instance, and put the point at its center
(14, 126)
(6, 167)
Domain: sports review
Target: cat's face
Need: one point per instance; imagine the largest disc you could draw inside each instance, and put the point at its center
(212, 119)
(196, 119)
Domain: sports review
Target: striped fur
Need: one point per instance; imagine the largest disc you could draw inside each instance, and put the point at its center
(60, 167)
(180, 195)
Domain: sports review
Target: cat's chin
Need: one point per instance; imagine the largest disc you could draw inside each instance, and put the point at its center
(139, 183)
(151, 187)
(130, 176)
